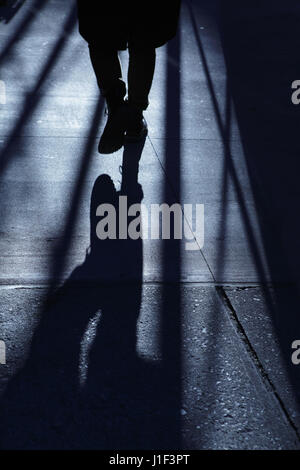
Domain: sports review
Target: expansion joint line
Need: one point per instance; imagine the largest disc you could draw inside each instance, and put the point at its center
(253, 355)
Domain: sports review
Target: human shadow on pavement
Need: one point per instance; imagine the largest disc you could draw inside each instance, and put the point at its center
(84, 385)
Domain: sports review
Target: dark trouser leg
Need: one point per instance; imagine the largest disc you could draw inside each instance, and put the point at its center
(108, 72)
(140, 75)
(107, 68)
(106, 65)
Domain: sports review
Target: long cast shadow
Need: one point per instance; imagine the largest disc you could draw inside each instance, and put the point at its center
(261, 50)
(252, 59)
(171, 334)
(83, 385)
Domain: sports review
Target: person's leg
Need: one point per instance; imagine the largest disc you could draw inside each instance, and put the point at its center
(140, 76)
(108, 71)
(107, 67)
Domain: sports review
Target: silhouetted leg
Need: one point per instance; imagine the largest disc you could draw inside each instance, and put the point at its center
(140, 75)
(107, 67)
(108, 72)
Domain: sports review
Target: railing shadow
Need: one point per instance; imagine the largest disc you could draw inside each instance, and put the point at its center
(36, 7)
(261, 56)
(33, 99)
(171, 309)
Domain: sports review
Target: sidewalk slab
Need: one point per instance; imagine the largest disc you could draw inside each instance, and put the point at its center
(270, 319)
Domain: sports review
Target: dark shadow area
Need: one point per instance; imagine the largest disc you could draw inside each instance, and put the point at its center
(171, 314)
(8, 9)
(111, 399)
(260, 42)
(261, 46)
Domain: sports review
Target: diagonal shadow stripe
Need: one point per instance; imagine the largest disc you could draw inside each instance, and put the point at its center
(36, 8)
(61, 250)
(33, 98)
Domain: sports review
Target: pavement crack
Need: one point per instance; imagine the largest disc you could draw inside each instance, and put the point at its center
(254, 356)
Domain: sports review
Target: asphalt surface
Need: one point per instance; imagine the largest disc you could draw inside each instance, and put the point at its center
(134, 344)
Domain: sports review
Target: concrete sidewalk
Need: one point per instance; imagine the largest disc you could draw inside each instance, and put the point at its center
(146, 344)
